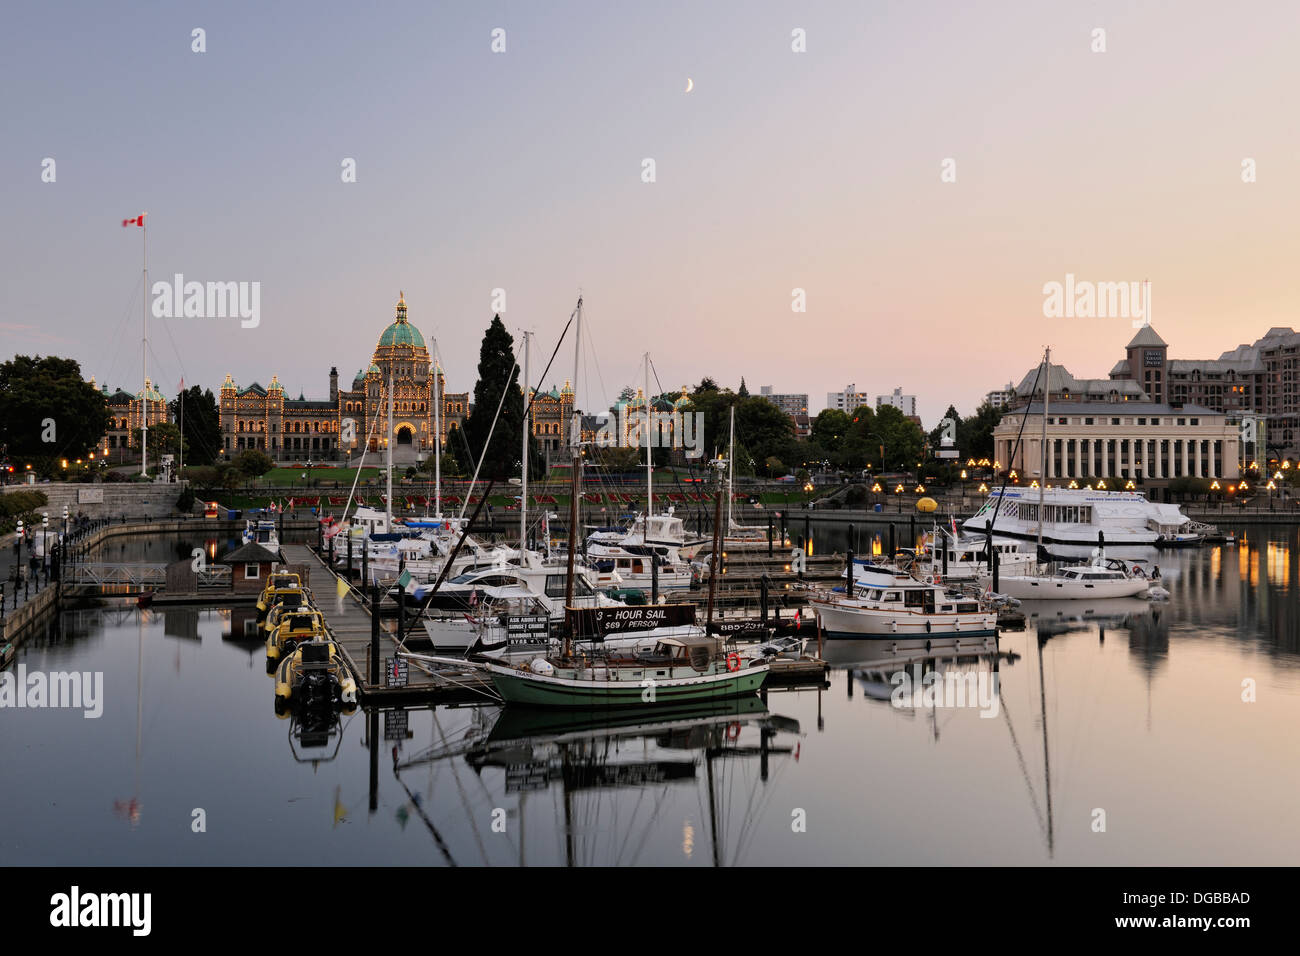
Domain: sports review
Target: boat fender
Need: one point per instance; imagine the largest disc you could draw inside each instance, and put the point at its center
(733, 730)
(928, 627)
(733, 661)
(929, 579)
(893, 627)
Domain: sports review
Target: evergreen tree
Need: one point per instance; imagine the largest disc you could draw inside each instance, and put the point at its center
(202, 424)
(744, 392)
(497, 372)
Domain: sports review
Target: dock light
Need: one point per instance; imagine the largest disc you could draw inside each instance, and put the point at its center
(1215, 486)
(1130, 486)
(876, 488)
(898, 490)
(1243, 487)
(963, 474)
(1101, 486)
(984, 489)
(1074, 484)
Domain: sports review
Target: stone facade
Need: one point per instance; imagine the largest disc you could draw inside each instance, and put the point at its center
(301, 429)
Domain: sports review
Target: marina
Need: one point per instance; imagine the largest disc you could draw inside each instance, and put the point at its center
(1117, 668)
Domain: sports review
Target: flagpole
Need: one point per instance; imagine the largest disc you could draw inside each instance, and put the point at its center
(144, 353)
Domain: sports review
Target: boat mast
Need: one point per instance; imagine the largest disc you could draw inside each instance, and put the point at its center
(649, 478)
(1042, 468)
(523, 497)
(437, 438)
(575, 444)
(713, 557)
(144, 353)
(388, 444)
(731, 466)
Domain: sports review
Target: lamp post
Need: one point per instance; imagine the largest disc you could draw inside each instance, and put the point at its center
(65, 521)
(45, 551)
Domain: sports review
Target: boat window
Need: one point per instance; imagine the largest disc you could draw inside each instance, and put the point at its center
(891, 595)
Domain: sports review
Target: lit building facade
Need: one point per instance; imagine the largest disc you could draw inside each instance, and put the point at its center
(351, 420)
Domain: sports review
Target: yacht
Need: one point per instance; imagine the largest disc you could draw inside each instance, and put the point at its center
(1099, 579)
(910, 612)
(628, 558)
(1081, 517)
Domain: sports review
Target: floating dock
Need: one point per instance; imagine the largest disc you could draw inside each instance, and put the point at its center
(351, 624)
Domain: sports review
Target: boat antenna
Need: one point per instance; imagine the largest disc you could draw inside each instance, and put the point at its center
(1042, 468)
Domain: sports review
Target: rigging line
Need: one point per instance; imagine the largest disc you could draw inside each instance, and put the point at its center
(1024, 770)
(595, 362)
(119, 337)
(168, 329)
(487, 443)
(464, 798)
(1014, 449)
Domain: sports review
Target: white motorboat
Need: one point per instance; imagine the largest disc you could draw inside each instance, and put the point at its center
(263, 532)
(910, 612)
(1102, 578)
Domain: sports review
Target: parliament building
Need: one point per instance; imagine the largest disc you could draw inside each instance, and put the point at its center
(301, 429)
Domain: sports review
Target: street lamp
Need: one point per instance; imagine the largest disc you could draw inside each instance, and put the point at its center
(45, 527)
(65, 521)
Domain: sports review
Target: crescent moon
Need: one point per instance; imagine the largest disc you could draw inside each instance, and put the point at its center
(690, 84)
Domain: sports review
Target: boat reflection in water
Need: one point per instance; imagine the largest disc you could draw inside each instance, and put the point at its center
(1053, 618)
(589, 756)
(315, 734)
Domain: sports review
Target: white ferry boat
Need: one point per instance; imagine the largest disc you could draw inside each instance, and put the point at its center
(1081, 517)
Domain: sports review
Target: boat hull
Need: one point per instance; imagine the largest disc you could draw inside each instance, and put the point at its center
(1049, 589)
(857, 624)
(537, 690)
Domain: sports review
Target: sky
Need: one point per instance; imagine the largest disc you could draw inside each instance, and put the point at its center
(822, 171)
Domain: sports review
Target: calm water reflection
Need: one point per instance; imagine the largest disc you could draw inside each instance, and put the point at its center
(1127, 707)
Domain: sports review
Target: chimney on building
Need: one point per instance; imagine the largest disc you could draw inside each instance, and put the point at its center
(334, 385)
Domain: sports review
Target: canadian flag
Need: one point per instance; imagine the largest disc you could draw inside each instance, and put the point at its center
(137, 221)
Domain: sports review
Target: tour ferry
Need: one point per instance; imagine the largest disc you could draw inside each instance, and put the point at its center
(1080, 517)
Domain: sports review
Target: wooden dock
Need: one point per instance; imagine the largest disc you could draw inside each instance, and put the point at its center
(350, 624)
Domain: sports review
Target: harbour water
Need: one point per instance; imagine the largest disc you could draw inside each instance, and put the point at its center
(1119, 736)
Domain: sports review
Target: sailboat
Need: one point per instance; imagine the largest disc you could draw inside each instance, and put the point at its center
(677, 669)
(738, 535)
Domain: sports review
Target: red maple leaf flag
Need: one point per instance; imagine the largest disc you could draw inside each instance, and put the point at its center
(137, 221)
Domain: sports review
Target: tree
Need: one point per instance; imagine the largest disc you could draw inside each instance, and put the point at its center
(830, 428)
(775, 468)
(164, 439)
(743, 392)
(497, 373)
(766, 431)
(47, 412)
(902, 438)
(201, 422)
(253, 462)
(978, 439)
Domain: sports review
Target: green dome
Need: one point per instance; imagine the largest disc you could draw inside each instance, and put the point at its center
(401, 332)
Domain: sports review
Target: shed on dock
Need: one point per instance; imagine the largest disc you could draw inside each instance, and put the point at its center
(249, 566)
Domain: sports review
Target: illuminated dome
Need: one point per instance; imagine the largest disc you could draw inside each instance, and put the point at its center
(401, 332)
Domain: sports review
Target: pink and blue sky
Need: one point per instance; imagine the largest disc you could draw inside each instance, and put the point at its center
(522, 170)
